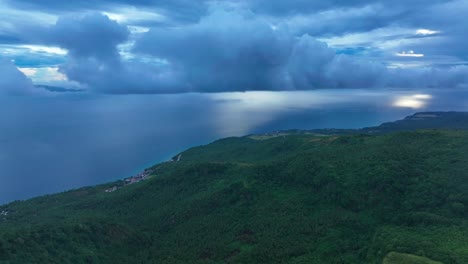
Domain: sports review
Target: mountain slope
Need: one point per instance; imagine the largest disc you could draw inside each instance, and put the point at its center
(418, 121)
(424, 120)
(299, 198)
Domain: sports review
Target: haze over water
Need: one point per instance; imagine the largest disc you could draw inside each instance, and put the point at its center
(54, 143)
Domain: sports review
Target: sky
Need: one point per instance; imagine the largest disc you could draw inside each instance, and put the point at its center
(179, 46)
(92, 91)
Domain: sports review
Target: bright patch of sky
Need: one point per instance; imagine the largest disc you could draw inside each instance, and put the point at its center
(45, 75)
(134, 16)
(426, 32)
(415, 101)
(409, 53)
(45, 49)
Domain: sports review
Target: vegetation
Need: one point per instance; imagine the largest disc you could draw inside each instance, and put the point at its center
(398, 258)
(292, 198)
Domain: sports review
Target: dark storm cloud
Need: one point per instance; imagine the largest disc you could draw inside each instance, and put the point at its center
(228, 50)
(12, 81)
(314, 65)
(93, 35)
(94, 59)
(254, 45)
(225, 51)
(123, 78)
(232, 51)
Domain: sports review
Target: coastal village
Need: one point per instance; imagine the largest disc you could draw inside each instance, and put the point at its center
(139, 177)
(4, 215)
(132, 180)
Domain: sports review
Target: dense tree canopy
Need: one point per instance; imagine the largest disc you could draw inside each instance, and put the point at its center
(278, 198)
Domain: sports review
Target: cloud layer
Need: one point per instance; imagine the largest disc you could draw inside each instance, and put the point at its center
(246, 45)
(238, 51)
(12, 81)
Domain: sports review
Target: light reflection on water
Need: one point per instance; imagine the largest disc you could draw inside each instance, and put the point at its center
(67, 141)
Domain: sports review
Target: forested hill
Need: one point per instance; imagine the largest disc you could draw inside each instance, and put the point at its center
(418, 121)
(425, 120)
(385, 198)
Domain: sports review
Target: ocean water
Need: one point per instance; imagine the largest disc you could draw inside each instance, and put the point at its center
(54, 143)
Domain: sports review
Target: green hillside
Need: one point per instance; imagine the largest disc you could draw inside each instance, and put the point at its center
(394, 198)
(418, 121)
(425, 120)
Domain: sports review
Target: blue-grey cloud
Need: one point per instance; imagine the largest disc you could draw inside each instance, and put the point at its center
(247, 45)
(94, 61)
(91, 36)
(232, 51)
(227, 50)
(236, 51)
(13, 81)
(293, 7)
(123, 78)
(8, 39)
(314, 65)
(175, 10)
(342, 21)
(186, 11)
(278, 7)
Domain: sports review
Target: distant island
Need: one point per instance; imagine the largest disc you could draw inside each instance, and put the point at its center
(391, 194)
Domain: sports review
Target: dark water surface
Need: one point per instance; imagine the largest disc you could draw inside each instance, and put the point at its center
(54, 143)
